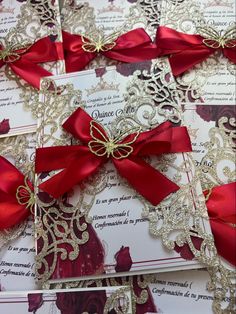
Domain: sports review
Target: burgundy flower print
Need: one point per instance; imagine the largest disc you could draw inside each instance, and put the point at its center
(216, 112)
(129, 69)
(100, 72)
(35, 301)
(4, 126)
(80, 302)
(123, 260)
(207, 113)
(185, 251)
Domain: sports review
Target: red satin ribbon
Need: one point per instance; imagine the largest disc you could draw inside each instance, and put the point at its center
(11, 212)
(44, 50)
(185, 50)
(221, 207)
(79, 162)
(134, 46)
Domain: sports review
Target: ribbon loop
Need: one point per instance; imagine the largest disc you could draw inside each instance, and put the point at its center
(24, 60)
(221, 205)
(185, 51)
(98, 147)
(16, 195)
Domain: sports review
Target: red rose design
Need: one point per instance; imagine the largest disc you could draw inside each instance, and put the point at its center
(207, 113)
(123, 260)
(185, 251)
(81, 301)
(100, 72)
(4, 126)
(35, 301)
(128, 69)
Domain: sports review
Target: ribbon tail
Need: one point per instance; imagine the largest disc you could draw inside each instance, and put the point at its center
(44, 50)
(11, 213)
(230, 53)
(185, 60)
(146, 180)
(76, 58)
(136, 54)
(222, 203)
(55, 158)
(10, 177)
(30, 72)
(225, 240)
(83, 166)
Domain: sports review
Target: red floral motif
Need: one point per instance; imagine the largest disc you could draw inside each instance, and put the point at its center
(100, 72)
(127, 70)
(185, 251)
(4, 126)
(35, 301)
(215, 112)
(123, 260)
(80, 302)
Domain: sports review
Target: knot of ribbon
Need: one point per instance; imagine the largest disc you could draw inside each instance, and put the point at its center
(221, 205)
(133, 46)
(16, 195)
(186, 50)
(78, 162)
(24, 60)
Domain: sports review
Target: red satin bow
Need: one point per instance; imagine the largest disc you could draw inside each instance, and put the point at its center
(12, 180)
(221, 206)
(186, 50)
(24, 61)
(79, 161)
(134, 46)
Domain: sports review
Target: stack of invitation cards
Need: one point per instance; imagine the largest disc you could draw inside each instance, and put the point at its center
(30, 48)
(107, 206)
(73, 301)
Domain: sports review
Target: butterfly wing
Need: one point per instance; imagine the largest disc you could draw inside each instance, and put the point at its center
(211, 43)
(208, 32)
(98, 144)
(122, 151)
(229, 37)
(88, 44)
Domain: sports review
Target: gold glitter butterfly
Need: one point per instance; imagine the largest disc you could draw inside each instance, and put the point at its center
(13, 52)
(25, 196)
(103, 145)
(103, 43)
(215, 39)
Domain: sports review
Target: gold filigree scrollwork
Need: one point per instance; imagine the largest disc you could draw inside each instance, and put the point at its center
(118, 301)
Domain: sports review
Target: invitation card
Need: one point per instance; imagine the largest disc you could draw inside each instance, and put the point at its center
(101, 33)
(30, 48)
(134, 231)
(73, 301)
(208, 74)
